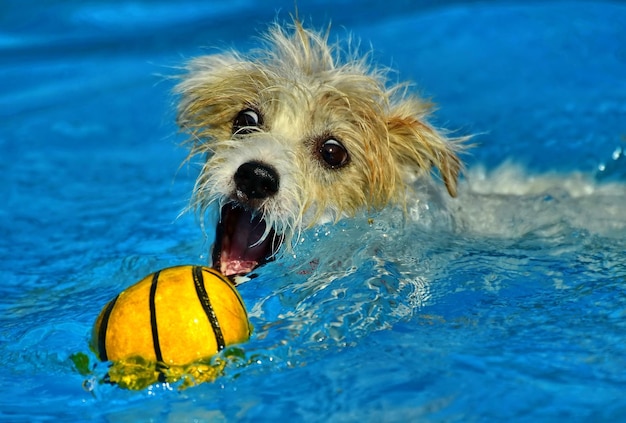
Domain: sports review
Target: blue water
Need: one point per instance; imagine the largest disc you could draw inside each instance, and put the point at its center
(505, 304)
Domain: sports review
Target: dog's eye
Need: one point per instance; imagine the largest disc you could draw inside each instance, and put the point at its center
(334, 153)
(246, 121)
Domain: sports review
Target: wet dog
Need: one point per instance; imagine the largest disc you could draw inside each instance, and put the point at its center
(297, 134)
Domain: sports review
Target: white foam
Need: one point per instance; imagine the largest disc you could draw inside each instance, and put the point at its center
(509, 201)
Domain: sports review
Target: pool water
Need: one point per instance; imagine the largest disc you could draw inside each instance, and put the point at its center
(507, 303)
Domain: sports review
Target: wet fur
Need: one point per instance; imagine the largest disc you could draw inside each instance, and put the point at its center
(307, 89)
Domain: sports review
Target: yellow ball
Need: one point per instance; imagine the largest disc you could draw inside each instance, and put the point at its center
(175, 316)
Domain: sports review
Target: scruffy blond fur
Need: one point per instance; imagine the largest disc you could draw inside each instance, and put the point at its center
(307, 91)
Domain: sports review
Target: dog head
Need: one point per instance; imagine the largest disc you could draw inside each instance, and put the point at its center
(297, 134)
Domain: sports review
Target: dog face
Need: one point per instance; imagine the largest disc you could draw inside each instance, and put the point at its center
(295, 136)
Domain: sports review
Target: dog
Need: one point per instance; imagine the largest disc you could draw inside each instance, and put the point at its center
(297, 134)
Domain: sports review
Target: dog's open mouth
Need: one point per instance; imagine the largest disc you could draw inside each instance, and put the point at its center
(239, 243)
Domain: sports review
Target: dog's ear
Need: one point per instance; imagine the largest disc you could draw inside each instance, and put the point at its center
(416, 146)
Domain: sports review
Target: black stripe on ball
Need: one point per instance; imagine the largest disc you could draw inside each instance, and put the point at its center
(102, 330)
(153, 319)
(228, 282)
(203, 297)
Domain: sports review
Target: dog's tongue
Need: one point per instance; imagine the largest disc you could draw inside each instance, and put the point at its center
(237, 249)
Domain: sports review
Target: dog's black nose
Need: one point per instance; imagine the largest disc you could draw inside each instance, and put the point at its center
(255, 180)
